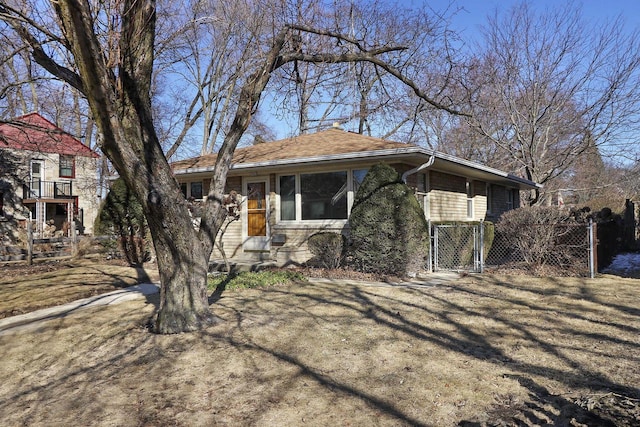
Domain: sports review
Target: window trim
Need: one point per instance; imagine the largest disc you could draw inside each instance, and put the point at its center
(73, 165)
(185, 189)
(297, 199)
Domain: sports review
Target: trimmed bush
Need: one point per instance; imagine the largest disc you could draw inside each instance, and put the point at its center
(121, 217)
(327, 249)
(388, 230)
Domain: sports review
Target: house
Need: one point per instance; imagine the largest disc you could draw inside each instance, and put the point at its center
(46, 175)
(298, 186)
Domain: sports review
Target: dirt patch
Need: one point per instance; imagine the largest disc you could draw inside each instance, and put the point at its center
(485, 350)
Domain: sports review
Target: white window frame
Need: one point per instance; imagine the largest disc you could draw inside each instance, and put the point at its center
(42, 177)
(188, 189)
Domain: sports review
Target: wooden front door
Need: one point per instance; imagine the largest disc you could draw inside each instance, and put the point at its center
(257, 210)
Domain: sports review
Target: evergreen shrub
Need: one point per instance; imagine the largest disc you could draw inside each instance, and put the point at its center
(389, 233)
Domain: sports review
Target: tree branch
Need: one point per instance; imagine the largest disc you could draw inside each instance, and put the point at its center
(372, 58)
(15, 19)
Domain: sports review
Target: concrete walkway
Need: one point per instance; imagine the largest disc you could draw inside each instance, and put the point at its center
(30, 320)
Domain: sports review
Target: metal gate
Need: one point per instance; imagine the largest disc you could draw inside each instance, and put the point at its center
(457, 247)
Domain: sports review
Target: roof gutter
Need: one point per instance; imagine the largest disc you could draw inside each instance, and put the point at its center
(419, 168)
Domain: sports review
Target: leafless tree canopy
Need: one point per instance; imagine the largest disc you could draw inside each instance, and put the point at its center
(543, 88)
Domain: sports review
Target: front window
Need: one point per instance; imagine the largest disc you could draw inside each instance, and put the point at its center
(67, 166)
(288, 197)
(196, 190)
(469, 200)
(358, 178)
(324, 195)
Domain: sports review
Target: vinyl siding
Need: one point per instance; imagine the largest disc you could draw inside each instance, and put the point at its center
(232, 239)
(295, 249)
(447, 197)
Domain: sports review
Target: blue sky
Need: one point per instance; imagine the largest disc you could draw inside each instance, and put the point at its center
(475, 12)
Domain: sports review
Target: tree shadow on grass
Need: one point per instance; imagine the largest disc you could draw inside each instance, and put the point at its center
(568, 370)
(443, 317)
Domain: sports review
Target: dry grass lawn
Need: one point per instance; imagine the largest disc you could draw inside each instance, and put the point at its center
(60, 282)
(482, 350)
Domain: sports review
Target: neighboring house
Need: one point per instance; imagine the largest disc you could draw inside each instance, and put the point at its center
(46, 175)
(296, 187)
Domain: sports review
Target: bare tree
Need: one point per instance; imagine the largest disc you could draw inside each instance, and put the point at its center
(113, 67)
(362, 97)
(544, 87)
(206, 59)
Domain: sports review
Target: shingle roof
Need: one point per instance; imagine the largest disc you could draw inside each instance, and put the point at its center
(33, 132)
(326, 143)
(336, 145)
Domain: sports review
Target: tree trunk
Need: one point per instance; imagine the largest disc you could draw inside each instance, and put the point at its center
(121, 108)
(184, 304)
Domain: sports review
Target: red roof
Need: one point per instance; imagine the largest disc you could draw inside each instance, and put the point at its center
(33, 132)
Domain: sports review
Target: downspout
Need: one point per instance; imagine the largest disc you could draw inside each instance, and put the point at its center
(419, 168)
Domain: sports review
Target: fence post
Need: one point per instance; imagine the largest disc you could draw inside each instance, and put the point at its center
(29, 242)
(592, 248)
(435, 248)
(481, 246)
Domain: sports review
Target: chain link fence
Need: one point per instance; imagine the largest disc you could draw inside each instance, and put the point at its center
(457, 247)
(553, 250)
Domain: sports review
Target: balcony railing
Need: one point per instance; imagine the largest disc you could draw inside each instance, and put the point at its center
(48, 190)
